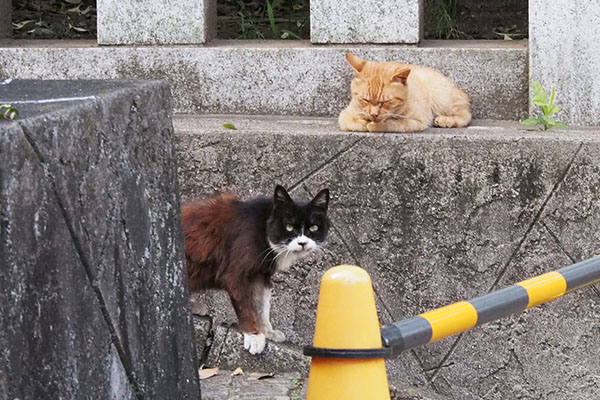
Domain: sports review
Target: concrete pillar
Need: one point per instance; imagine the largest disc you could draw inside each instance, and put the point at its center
(564, 51)
(156, 22)
(367, 21)
(5, 18)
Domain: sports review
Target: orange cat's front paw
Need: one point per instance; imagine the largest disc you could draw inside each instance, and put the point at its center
(373, 127)
(358, 125)
(349, 121)
(442, 121)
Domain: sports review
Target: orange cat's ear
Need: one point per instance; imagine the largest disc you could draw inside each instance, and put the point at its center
(401, 76)
(357, 63)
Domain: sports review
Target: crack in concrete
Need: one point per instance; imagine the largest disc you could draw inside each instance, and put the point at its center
(500, 368)
(437, 368)
(595, 288)
(537, 217)
(419, 360)
(325, 164)
(558, 242)
(225, 336)
(209, 144)
(210, 338)
(90, 273)
(535, 220)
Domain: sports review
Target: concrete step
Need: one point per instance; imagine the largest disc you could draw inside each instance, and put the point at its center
(284, 78)
(435, 217)
(283, 386)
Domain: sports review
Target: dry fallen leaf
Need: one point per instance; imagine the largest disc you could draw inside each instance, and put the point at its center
(207, 373)
(238, 371)
(256, 376)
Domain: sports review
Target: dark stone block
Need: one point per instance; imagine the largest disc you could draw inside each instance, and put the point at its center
(92, 286)
(5, 18)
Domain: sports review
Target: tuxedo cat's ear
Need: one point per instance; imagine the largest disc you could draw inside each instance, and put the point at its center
(356, 62)
(321, 200)
(401, 76)
(281, 196)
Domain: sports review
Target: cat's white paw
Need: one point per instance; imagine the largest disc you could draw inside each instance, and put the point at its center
(255, 344)
(275, 335)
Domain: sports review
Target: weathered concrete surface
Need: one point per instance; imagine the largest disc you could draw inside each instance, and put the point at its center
(225, 386)
(156, 22)
(565, 52)
(277, 78)
(5, 18)
(92, 286)
(369, 21)
(227, 351)
(283, 386)
(435, 217)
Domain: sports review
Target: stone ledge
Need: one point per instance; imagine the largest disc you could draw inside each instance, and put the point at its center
(285, 78)
(435, 217)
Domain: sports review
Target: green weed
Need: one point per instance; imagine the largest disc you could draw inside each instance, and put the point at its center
(8, 112)
(54, 19)
(544, 120)
(263, 19)
(441, 18)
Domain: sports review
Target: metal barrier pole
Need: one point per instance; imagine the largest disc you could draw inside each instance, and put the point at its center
(462, 316)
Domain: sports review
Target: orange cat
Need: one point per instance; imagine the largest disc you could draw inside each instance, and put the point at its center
(395, 97)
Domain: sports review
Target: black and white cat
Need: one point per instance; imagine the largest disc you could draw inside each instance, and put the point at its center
(238, 245)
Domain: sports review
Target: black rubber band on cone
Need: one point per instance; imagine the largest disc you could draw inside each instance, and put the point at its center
(323, 352)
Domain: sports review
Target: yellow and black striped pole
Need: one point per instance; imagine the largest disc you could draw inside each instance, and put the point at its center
(459, 317)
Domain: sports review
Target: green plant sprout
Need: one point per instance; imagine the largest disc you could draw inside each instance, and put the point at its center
(8, 112)
(544, 120)
(230, 126)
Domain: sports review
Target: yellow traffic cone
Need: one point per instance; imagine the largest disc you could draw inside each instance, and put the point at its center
(347, 320)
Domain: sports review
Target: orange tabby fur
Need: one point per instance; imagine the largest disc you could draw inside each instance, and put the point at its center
(395, 97)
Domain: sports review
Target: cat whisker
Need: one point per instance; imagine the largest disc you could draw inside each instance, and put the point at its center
(284, 253)
(267, 253)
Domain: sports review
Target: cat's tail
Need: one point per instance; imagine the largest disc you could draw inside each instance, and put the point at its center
(458, 115)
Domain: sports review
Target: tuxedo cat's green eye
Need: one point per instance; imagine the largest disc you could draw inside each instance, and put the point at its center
(289, 228)
(313, 228)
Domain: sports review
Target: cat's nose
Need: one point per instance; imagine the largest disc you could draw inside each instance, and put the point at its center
(374, 111)
(303, 244)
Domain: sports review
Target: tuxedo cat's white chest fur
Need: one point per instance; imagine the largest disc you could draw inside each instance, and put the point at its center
(284, 262)
(297, 248)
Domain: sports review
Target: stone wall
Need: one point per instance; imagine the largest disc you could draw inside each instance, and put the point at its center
(156, 22)
(93, 292)
(434, 217)
(565, 52)
(284, 78)
(369, 21)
